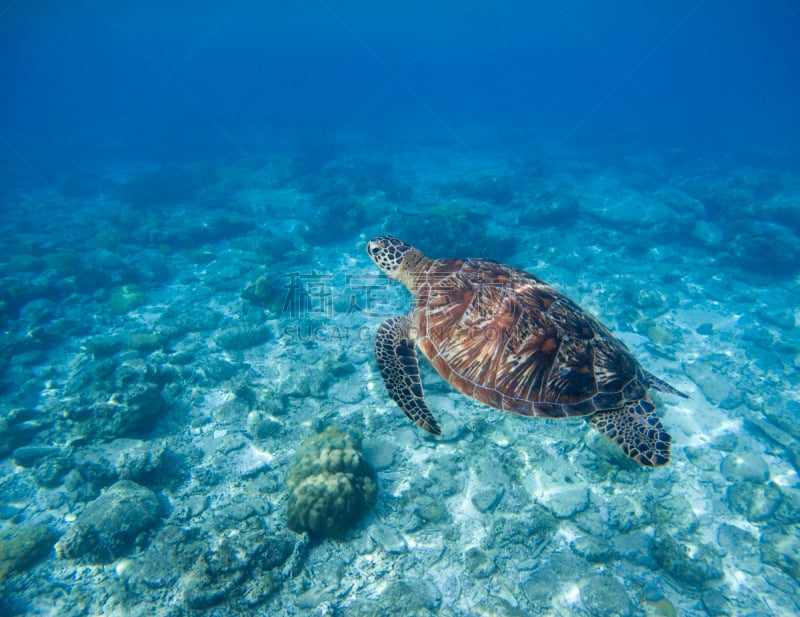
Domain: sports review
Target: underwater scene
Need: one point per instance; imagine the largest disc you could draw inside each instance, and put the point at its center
(446, 308)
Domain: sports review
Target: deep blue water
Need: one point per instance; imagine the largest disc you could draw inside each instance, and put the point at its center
(187, 190)
(89, 81)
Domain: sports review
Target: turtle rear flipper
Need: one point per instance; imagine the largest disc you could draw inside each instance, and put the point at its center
(637, 430)
(397, 360)
(659, 384)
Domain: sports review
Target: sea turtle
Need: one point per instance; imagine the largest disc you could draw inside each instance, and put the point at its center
(504, 337)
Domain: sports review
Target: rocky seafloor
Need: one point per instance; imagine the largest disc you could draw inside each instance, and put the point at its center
(173, 333)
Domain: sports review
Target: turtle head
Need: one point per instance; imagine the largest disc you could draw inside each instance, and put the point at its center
(388, 253)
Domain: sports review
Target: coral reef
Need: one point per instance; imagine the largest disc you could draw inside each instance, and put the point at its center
(204, 392)
(330, 484)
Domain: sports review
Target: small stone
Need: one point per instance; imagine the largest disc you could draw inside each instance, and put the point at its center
(479, 563)
(788, 512)
(770, 431)
(781, 317)
(415, 596)
(431, 510)
(140, 459)
(8, 511)
(711, 376)
(726, 442)
(539, 589)
(230, 412)
(604, 596)
(703, 457)
(625, 514)
(252, 462)
(676, 512)
(782, 549)
(126, 298)
(379, 453)
(28, 456)
(568, 502)
(132, 413)
(388, 538)
(662, 607)
(635, 547)
(196, 505)
(592, 549)
(716, 604)
(784, 414)
(232, 515)
(757, 502)
(737, 541)
(51, 470)
(660, 335)
(260, 426)
(239, 338)
(745, 467)
(696, 568)
(705, 329)
(146, 341)
(486, 499)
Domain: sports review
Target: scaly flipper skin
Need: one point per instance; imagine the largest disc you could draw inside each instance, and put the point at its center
(396, 353)
(637, 430)
(659, 384)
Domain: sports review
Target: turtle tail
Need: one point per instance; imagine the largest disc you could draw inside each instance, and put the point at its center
(637, 430)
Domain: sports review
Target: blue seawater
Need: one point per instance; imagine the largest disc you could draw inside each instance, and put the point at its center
(186, 193)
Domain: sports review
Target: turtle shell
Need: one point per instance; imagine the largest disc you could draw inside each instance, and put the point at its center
(509, 340)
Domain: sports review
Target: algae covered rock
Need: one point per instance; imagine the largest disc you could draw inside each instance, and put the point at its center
(23, 545)
(781, 548)
(268, 292)
(132, 413)
(330, 484)
(245, 562)
(239, 338)
(126, 298)
(696, 567)
(603, 595)
(108, 526)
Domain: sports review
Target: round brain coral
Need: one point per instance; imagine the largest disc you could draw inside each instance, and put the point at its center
(330, 484)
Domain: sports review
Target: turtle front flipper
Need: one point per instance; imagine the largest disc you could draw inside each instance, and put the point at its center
(637, 430)
(397, 360)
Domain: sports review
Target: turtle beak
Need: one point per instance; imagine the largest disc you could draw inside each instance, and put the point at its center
(373, 249)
